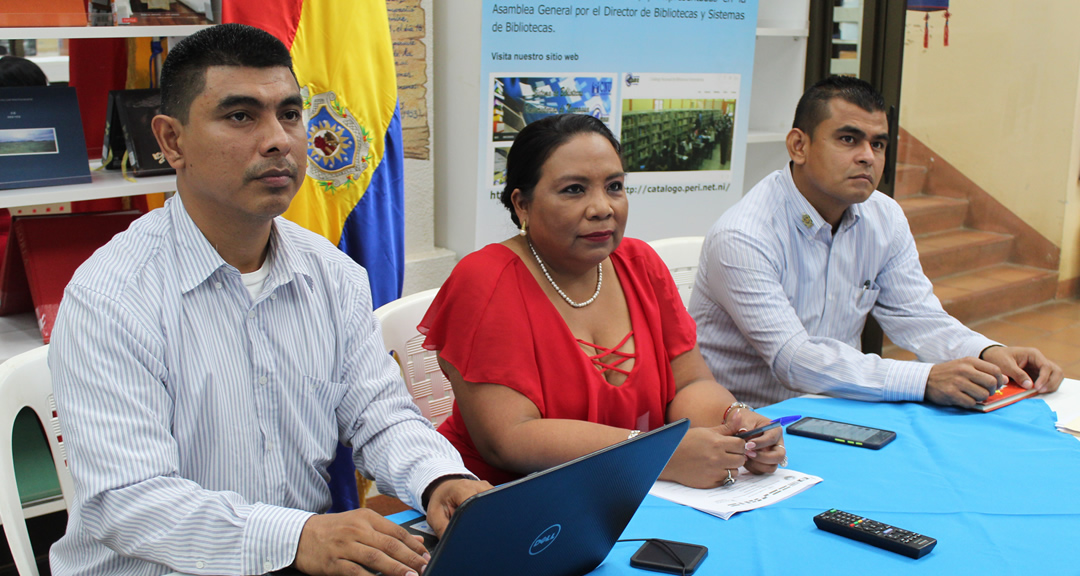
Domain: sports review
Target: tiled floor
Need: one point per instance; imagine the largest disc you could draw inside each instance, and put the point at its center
(1053, 328)
(18, 333)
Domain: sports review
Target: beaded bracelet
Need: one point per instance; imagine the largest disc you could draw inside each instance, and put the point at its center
(735, 405)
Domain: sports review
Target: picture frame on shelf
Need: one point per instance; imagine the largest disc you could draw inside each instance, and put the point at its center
(129, 140)
(41, 138)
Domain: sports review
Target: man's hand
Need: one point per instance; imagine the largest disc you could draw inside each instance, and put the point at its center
(446, 496)
(349, 542)
(1023, 364)
(964, 382)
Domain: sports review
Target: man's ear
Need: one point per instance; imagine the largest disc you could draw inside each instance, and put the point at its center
(169, 134)
(797, 143)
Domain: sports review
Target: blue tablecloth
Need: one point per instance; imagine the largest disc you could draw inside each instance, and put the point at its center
(999, 491)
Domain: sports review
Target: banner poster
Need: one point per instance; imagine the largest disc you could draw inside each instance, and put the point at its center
(670, 78)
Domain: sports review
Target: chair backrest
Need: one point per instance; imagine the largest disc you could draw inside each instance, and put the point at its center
(429, 387)
(681, 256)
(25, 382)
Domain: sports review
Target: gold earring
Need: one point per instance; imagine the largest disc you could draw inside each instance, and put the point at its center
(524, 225)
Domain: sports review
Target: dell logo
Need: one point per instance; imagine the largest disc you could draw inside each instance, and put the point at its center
(545, 539)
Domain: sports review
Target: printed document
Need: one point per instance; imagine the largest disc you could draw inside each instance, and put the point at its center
(750, 491)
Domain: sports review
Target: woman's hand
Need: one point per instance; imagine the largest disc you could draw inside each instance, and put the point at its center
(763, 453)
(705, 457)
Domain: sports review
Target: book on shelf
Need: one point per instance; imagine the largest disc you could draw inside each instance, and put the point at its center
(162, 12)
(1008, 394)
(44, 13)
(128, 132)
(41, 138)
(43, 253)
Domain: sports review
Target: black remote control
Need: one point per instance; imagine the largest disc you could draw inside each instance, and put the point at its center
(874, 533)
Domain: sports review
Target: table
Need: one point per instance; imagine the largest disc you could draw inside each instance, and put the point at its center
(999, 491)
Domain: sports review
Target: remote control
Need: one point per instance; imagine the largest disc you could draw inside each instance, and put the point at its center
(874, 533)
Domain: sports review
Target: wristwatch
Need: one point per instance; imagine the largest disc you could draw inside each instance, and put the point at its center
(435, 483)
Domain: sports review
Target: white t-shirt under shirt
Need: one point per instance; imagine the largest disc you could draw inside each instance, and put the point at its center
(254, 281)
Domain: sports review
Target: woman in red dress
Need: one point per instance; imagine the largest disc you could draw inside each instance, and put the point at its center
(568, 338)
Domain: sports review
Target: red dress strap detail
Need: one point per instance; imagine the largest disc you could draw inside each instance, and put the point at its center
(597, 358)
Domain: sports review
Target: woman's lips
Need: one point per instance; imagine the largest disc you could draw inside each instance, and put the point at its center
(599, 236)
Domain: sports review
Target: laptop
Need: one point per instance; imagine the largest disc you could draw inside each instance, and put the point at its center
(561, 521)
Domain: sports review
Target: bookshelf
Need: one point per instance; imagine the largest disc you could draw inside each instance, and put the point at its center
(19, 333)
(99, 31)
(779, 70)
(103, 184)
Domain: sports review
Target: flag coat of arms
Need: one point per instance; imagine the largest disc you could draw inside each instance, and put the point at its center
(354, 191)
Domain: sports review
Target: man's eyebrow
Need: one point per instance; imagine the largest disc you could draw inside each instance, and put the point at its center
(292, 101)
(239, 100)
(852, 130)
(859, 133)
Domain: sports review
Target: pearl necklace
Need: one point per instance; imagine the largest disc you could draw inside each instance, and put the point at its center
(599, 281)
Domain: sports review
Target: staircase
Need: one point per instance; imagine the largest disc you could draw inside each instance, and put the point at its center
(982, 259)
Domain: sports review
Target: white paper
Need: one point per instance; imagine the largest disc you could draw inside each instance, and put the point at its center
(750, 491)
(1066, 402)
(1070, 427)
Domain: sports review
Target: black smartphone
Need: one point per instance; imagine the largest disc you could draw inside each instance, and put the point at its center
(657, 555)
(842, 432)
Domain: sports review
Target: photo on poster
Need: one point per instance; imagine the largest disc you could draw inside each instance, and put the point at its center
(28, 141)
(678, 122)
(677, 134)
(517, 101)
(500, 165)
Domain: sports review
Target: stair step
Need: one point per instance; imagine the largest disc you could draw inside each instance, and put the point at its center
(928, 214)
(979, 294)
(910, 180)
(953, 251)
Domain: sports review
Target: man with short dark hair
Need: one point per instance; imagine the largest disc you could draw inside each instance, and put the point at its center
(208, 360)
(788, 275)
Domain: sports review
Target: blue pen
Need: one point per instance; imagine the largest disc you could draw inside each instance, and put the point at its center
(782, 421)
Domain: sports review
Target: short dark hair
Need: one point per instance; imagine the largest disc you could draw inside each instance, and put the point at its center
(15, 71)
(183, 75)
(813, 108)
(534, 145)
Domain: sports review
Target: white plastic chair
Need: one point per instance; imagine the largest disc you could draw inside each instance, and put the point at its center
(429, 387)
(25, 382)
(681, 256)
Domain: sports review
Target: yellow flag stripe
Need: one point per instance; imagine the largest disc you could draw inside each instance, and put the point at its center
(345, 47)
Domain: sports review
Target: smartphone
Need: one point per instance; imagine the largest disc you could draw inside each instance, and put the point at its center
(842, 432)
(757, 431)
(656, 555)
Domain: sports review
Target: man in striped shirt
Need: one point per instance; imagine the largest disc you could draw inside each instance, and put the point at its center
(788, 275)
(208, 360)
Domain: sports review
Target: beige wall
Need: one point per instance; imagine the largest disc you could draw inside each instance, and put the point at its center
(1000, 103)
(1070, 242)
(426, 265)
